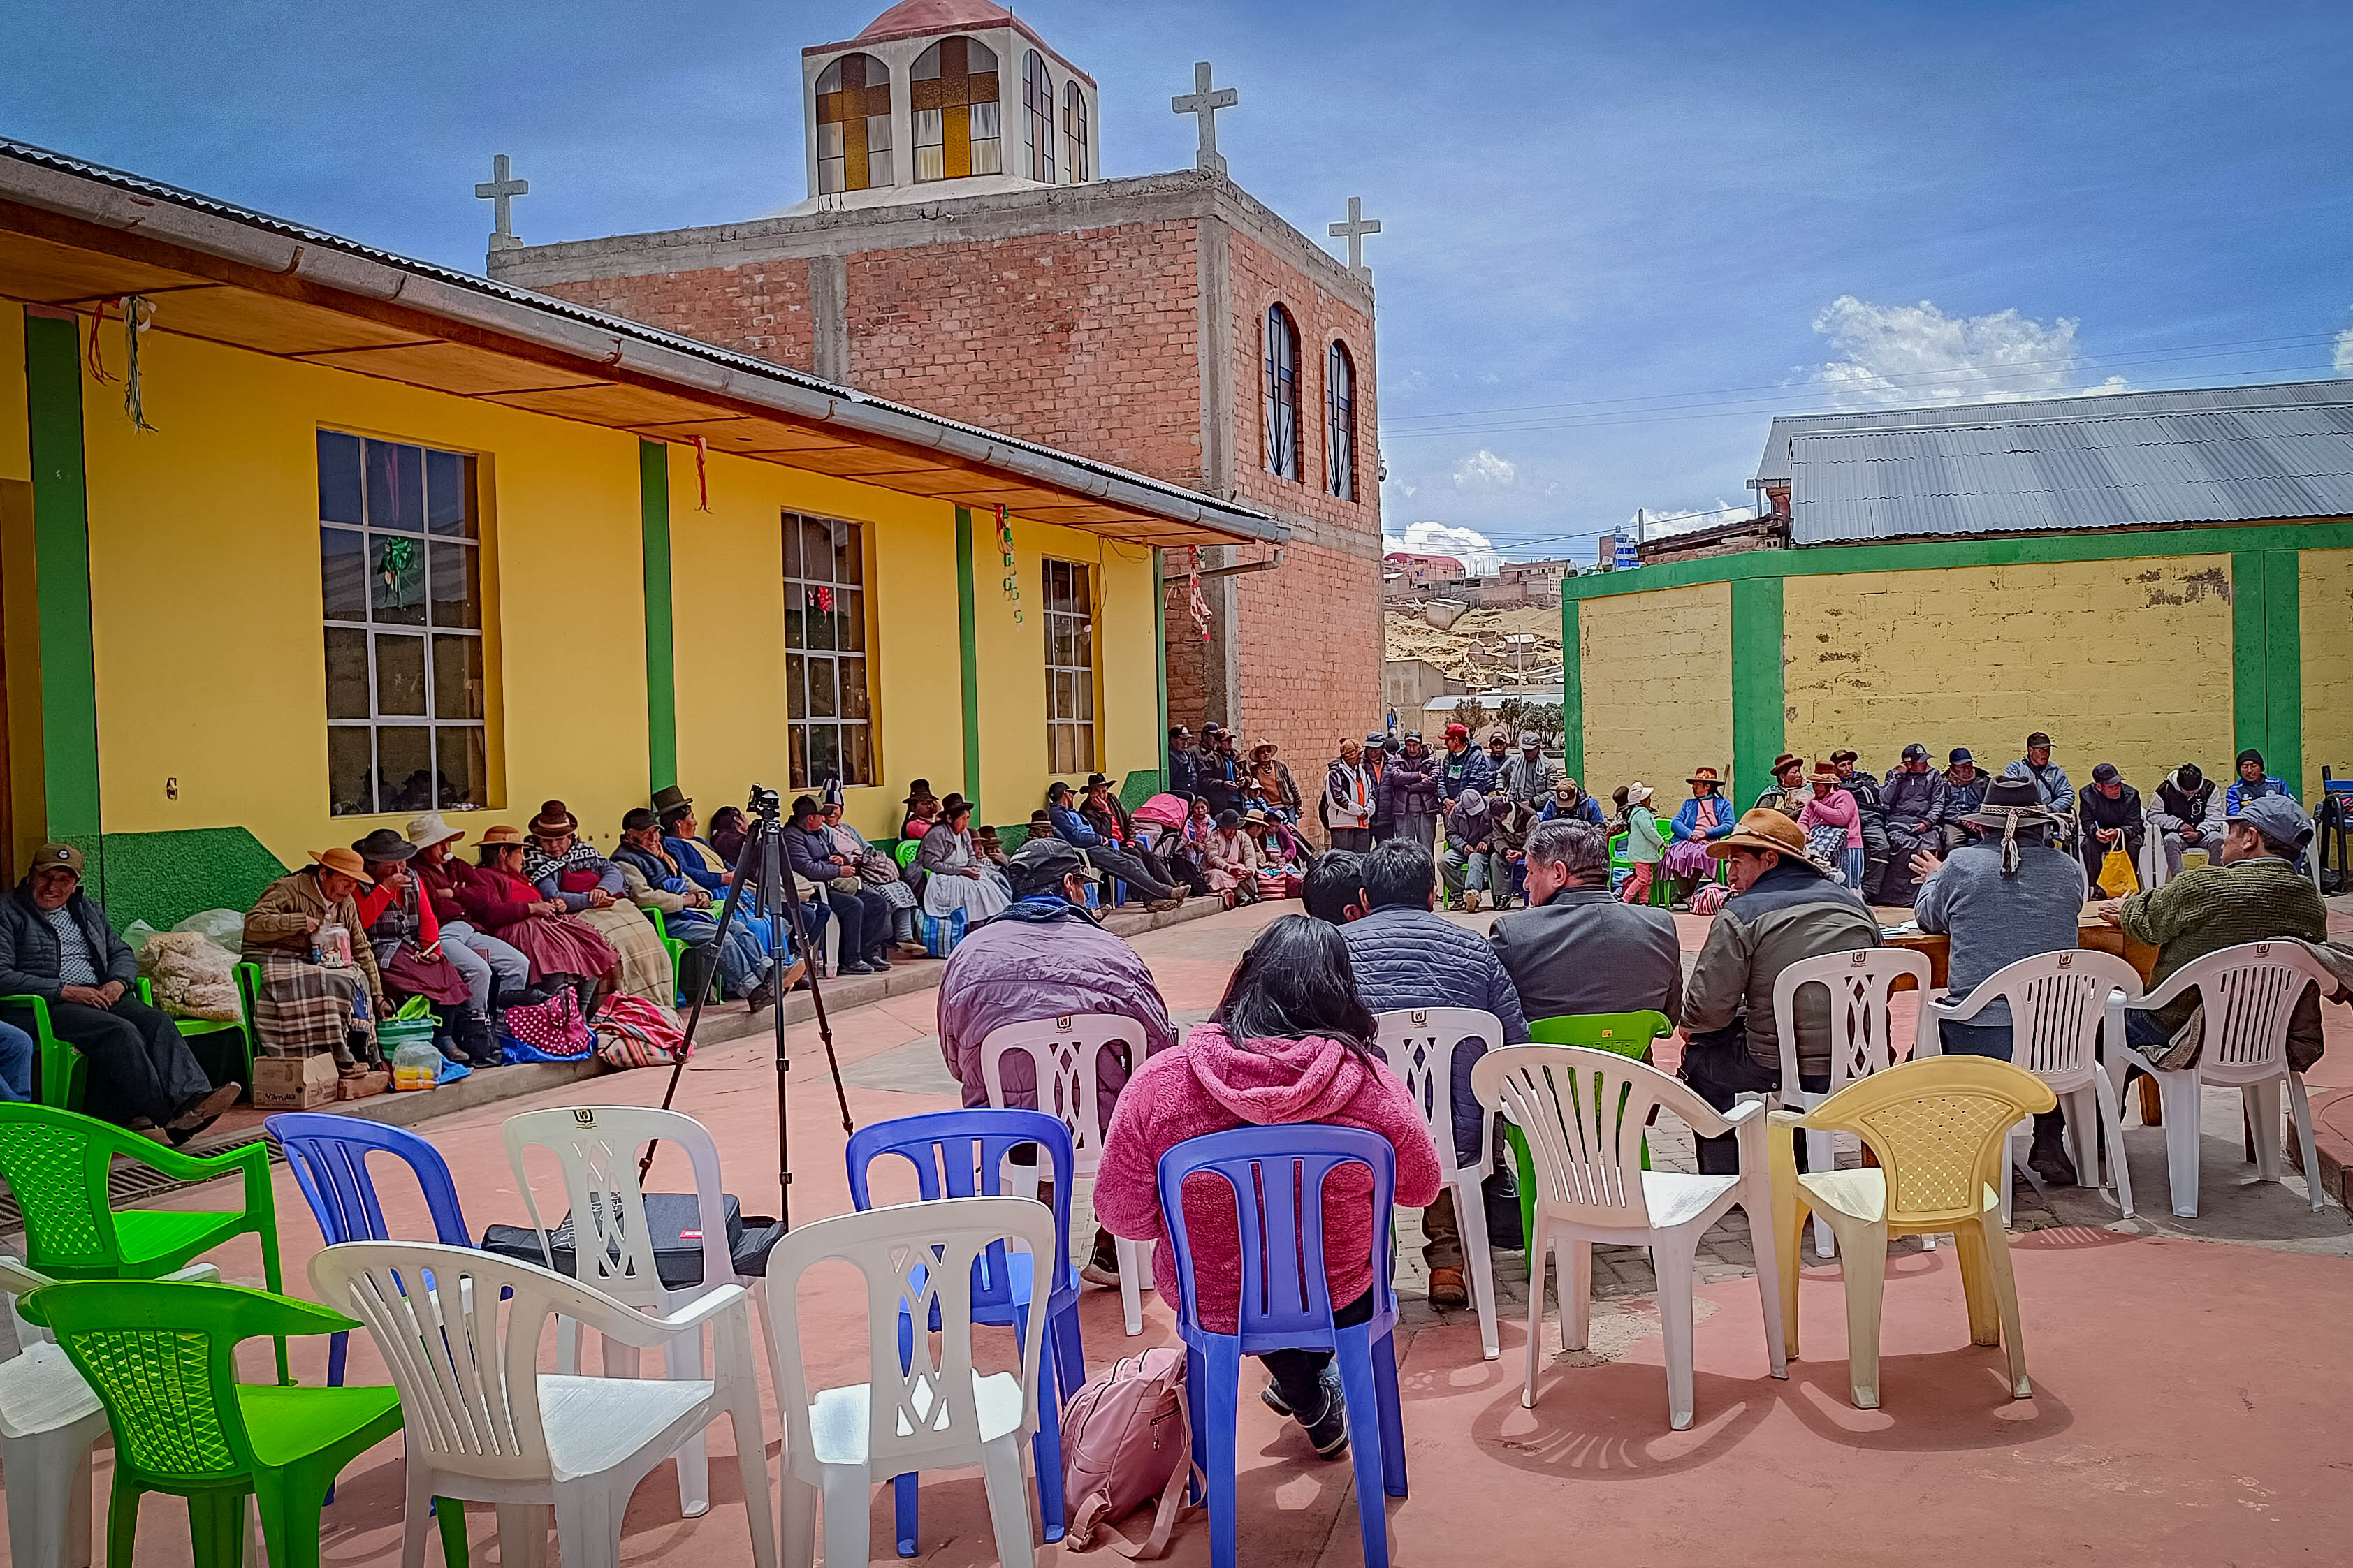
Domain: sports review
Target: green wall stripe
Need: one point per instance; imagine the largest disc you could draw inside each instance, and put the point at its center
(2250, 713)
(2284, 668)
(968, 633)
(1757, 711)
(62, 560)
(1827, 560)
(1572, 694)
(661, 654)
(1160, 662)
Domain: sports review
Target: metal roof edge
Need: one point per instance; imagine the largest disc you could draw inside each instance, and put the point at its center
(115, 199)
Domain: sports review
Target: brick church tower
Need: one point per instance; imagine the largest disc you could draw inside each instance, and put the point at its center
(961, 250)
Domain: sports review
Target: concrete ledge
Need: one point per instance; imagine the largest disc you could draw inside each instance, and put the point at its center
(2332, 1131)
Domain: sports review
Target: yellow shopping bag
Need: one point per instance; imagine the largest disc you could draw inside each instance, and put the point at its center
(2116, 875)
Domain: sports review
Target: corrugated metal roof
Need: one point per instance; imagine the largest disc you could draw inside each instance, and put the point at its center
(2132, 461)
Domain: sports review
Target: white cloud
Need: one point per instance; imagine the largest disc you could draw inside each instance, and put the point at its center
(2345, 351)
(1658, 524)
(1474, 549)
(1897, 355)
(1484, 470)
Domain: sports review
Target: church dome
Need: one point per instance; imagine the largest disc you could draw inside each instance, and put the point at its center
(916, 18)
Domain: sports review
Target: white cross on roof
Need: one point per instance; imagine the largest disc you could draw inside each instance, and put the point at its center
(1203, 104)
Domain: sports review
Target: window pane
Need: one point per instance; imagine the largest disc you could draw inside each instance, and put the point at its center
(347, 673)
(349, 784)
(824, 755)
(797, 739)
(400, 676)
(343, 571)
(339, 478)
(796, 686)
(449, 493)
(853, 621)
(849, 562)
(1063, 759)
(404, 769)
(395, 486)
(1085, 656)
(396, 579)
(1082, 687)
(456, 677)
(858, 760)
(820, 688)
(819, 601)
(816, 550)
(792, 545)
(795, 616)
(456, 594)
(853, 690)
(462, 763)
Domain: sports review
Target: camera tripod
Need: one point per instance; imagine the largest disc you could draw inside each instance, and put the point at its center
(762, 862)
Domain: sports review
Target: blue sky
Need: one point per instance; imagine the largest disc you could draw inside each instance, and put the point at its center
(1618, 237)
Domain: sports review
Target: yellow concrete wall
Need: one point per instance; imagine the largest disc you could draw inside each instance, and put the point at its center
(16, 457)
(2326, 635)
(2125, 661)
(1657, 669)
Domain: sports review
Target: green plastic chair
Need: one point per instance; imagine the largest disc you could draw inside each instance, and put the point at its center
(162, 1358)
(675, 947)
(63, 1079)
(57, 1162)
(1622, 1034)
(906, 852)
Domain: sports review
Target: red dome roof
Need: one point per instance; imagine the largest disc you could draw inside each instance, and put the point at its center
(914, 18)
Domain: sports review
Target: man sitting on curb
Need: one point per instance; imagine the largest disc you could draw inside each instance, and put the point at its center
(1783, 908)
(1046, 958)
(56, 943)
(1407, 956)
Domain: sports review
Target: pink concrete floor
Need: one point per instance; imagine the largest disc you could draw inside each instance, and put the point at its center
(2189, 1396)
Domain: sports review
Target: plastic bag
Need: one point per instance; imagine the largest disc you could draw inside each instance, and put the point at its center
(2117, 878)
(136, 935)
(191, 977)
(222, 928)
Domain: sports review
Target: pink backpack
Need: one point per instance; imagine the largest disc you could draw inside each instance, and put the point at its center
(1126, 1441)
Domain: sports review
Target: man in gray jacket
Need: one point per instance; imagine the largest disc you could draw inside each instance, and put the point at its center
(1783, 909)
(1576, 949)
(1530, 776)
(1407, 956)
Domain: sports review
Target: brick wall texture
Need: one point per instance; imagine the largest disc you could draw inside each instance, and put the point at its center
(1089, 341)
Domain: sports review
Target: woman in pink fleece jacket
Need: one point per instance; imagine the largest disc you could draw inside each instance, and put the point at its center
(1290, 1041)
(1833, 825)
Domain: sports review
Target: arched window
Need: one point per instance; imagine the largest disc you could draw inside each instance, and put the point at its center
(1340, 422)
(853, 125)
(1281, 394)
(1074, 133)
(1038, 98)
(953, 92)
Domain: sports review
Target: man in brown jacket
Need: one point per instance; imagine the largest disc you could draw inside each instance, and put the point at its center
(1783, 909)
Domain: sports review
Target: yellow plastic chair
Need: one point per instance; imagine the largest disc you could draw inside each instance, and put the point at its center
(1940, 1131)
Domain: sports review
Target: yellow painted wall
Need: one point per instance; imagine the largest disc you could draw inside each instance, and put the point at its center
(2326, 635)
(2124, 661)
(1658, 688)
(15, 456)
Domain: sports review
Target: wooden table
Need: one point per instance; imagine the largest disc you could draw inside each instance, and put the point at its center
(2092, 933)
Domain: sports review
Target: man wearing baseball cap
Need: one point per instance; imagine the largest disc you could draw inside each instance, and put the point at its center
(1529, 776)
(1783, 908)
(1184, 764)
(1462, 766)
(2050, 778)
(56, 943)
(2109, 817)
(1965, 790)
(1915, 805)
(2251, 892)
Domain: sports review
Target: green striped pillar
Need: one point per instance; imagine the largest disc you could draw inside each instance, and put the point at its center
(662, 653)
(2267, 660)
(1572, 695)
(1757, 711)
(61, 561)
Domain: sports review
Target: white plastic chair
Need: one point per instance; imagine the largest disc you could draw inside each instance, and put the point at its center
(2059, 1005)
(485, 1425)
(49, 1421)
(1063, 1051)
(1583, 1113)
(2248, 995)
(1420, 1044)
(597, 1148)
(937, 1413)
(1857, 984)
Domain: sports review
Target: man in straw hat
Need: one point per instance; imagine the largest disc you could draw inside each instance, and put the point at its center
(1783, 908)
(1787, 795)
(2010, 893)
(320, 990)
(56, 943)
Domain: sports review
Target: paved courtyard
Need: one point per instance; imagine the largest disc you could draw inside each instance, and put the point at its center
(2190, 1376)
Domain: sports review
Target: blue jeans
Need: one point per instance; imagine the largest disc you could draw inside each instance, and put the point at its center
(741, 960)
(17, 1050)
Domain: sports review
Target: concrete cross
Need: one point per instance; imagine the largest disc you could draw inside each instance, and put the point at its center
(1354, 231)
(1203, 105)
(500, 192)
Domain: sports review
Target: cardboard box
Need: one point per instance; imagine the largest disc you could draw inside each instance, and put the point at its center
(376, 1082)
(293, 1083)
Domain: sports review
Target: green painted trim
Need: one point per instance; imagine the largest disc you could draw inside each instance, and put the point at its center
(1829, 559)
(1759, 714)
(1160, 662)
(61, 563)
(2250, 671)
(968, 638)
(1572, 693)
(662, 653)
(2284, 667)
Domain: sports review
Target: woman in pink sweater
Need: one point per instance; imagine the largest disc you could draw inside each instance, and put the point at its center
(1833, 825)
(1290, 1042)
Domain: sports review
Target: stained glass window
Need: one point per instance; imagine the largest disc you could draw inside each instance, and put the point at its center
(853, 125)
(1038, 98)
(952, 89)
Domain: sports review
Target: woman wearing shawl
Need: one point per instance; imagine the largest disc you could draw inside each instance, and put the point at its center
(955, 877)
(591, 891)
(497, 899)
(1704, 818)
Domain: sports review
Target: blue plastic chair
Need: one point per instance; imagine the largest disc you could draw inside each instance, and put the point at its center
(961, 1154)
(1277, 1175)
(328, 1155)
